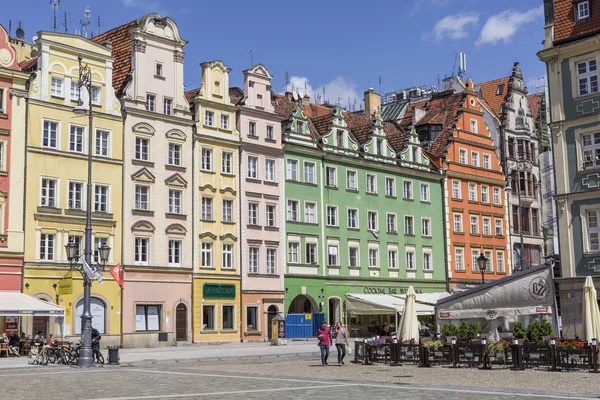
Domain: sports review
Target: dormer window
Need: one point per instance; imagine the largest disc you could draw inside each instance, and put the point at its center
(582, 10)
(259, 100)
(500, 90)
(217, 90)
(379, 143)
(339, 139)
(300, 127)
(428, 133)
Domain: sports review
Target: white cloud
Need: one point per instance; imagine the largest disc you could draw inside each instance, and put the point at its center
(338, 90)
(454, 26)
(503, 26)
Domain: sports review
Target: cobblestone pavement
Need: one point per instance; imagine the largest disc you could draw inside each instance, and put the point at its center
(290, 377)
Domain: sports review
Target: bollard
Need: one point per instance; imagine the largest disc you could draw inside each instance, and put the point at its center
(394, 353)
(594, 356)
(516, 355)
(484, 355)
(113, 355)
(454, 354)
(424, 357)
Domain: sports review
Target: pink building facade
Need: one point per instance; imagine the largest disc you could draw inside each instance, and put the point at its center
(262, 179)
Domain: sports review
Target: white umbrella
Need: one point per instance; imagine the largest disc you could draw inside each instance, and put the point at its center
(591, 313)
(409, 324)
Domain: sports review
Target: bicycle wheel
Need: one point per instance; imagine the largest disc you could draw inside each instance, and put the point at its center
(51, 356)
(99, 358)
(43, 358)
(32, 356)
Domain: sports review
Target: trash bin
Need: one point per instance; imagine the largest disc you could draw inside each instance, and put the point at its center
(113, 355)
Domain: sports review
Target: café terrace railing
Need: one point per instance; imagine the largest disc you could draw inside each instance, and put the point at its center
(516, 355)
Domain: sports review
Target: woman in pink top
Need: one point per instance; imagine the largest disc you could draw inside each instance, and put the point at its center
(325, 340)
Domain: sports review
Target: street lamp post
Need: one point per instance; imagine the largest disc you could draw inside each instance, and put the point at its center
(482, 263)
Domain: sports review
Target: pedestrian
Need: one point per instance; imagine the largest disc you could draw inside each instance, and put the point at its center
(39, 338)
(13, 344)
(325, 340)
(341, 341)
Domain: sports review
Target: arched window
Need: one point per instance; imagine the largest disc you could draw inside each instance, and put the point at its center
(98, 310)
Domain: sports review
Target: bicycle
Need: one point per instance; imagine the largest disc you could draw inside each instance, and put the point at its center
(73, 354)
(38, 355)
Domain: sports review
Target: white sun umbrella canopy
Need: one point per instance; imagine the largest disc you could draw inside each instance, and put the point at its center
(409, 324)
(591, 313)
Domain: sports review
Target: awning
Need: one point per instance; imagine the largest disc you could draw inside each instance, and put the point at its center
(16, 304)
(382, 304)
(530, 292)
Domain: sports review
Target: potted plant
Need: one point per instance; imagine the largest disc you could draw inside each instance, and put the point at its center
(497, 349)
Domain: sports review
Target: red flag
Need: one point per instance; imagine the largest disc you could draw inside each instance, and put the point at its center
(117, 273)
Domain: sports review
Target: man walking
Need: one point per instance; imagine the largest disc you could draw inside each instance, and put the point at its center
(325, 340)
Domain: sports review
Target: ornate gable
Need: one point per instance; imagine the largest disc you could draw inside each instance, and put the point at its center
(176, 134)
(175, 229)
(143, 175)
(261, 70)
(176, 180)
(143, 226)
(144, 129)
(297, 129)
(377, 147)
(339, 139)
(412, 155)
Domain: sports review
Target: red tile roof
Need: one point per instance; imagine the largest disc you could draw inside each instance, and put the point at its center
(122, 47)
(565, 26)
(489, 90)
(29, 65)
(535, 103)
(236, 94)
(190, 94)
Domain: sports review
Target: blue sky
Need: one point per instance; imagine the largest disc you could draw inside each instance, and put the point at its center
(344, 45)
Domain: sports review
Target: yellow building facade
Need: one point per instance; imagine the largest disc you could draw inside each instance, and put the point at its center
(56, 182)
(216, 287)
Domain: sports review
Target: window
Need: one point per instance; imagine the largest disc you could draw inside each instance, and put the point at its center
(310, 213)
(408, 190)
(227, 256)
(271, 212)
(292, 210)
(252, 167)
(352, 218)
(227, 317)
(587, 78)
(390, 187)
(293, 252)
(458, 223)
(47, 247)
(371, 184)
(498, 225)
(392, 259)
(217, 88)
(331, 176)
(209, 118)
(593, 230)
(227, 163)
(102, 144)
(253, 260)
(426, 227)
(487, 163)
(462, 156)
(292, 170)
(427, 265)
(309, 172)
(485, 194)
(270, 132)
(141, 197)
(174, 253)
(488, 264)
(391, 223)
(251, 318)
(57, 87)
(206, 261)
(410, 260)
(150, 102)
(206, 162)
(472, 191)
(408, 225)
(147, 318)
(456, 190)
(74, 91)
(207, 206)
(474, 225)
(459, 259)
(487, 228)
(372, 221)
(174, 157)
(424, 192)
(270, 170)
(332, 258)
(252, 213)
(48, 193)
(272, 261)
(332, 215)
(141, 149)
(583, 10)
(252, 129)
(99, 243)
(499, 89)
(497, 199)
(475, 159)
(167, 106)
(142, 248)
(473, 126)
(311, 253)
(158, 69)
(101, 198)
(76, 139)
(339, 138)
(96, 95)
(373, 258)
(353, 256)
(227, 211)
(474, 256)
(351, 180)
(300, 127)
(259, 100)
(224, 121)
(591, 150)
(500, 261)
(75, 196)
(208, 317)
(49, 138)
(174, 201)
(379, 147)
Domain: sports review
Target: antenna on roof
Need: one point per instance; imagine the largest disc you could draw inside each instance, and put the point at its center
(54, 4)
(462, 64)
(98, 26)
(305, 83)
(20, 33)
(9, 26)
(251, 57)
(324, 98)
(65, 24)
(85, 23)
(287, 81)
(379, 84)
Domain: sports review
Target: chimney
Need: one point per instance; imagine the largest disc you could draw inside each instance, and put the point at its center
(289, 95)
(108, 45)
(306, 99)
(372, 103)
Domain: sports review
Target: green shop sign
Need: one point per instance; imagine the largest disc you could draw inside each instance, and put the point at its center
(218, 291)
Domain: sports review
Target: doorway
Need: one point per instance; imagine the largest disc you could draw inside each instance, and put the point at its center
(334, 311)
(181, 322)
(40, 324)
(272, 312)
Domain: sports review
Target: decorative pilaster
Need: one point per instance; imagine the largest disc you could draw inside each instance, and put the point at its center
(139, 46)
(178, 56)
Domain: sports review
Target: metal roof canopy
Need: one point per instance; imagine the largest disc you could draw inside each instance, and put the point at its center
(382, 304)
(16, 304)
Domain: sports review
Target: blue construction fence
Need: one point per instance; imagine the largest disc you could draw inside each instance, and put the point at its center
(302, 326)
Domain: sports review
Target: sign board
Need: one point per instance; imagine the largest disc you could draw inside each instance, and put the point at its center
(65, 285)
(274, 329)
(218, 291)
(11, 324)
(308, 317)
(68, 311)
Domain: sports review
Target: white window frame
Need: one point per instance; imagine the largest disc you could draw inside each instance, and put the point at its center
(57, 87)
(390, 186)
(309, 218)
(293, 252)
(206, 159)
(472, 191)
(487, 161)
(209, 118)
(252, 129)
(393, 259)
(96, 95)
(48, 194)
(586, 78)
(497, 193)
(227, 210)
(224, 122)
(473, 126)
(500, 262)
(167, 106)
(271, 261)
(498, 226)
(290, 210)
(333, 257)
(150, 102)
(291, 170)
(270, 170)
(372, 183)
(410, 259)
(331, 172)
(351, 184)
(253, 167)
(332, 217)
(77, 135)
(474, 224)
(489, 226)
(227, 162)
(102, 145)
(47, 134)
(47, 251)
(310, 172)
(590, 153)
(311, 253)
(139, 194)
(427, 254)
(372, 221)
(271, 215)
(72, 196)
(174, 154)
(393, 226)
(206, 208)
(462, 156)
(583, 10)
(253, 213)
(253, 259)
(142, 148)
(206, 255)
(426, 227)
(355, 247)
(459, 266)
(459, 222)
(485, 194)
(425, 195)
(352, 222)
(591, 233)
(475, 158)
(175, 201)
(227, 256)
(98, 202)
(270, 132)
(174, 253)
(139, 257)
(456, 190)
(407, 190)
(409, 225)
(373, 257)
